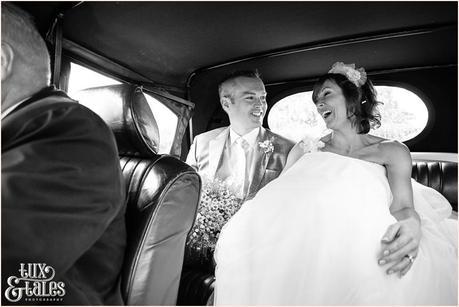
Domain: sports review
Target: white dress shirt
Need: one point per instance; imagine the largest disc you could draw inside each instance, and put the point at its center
(234, 166)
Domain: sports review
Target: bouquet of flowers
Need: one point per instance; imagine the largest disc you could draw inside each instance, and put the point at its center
(218, 204)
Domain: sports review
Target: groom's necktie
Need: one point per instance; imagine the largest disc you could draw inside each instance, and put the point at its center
(239, 157)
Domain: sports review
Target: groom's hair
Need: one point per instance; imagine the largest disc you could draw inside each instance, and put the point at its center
(227, 81)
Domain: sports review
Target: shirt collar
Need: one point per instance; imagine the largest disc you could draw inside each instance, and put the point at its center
(14, 106)
(38, 95)
(250, 137)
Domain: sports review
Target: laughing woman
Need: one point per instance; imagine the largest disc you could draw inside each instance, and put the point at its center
(313, 236)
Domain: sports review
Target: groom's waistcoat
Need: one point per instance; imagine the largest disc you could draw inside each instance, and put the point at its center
(268, 161)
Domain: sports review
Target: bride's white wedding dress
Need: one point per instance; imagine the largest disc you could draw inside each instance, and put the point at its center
(312, 237)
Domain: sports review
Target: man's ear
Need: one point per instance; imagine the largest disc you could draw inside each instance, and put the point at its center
(225, 101)
(7, 60)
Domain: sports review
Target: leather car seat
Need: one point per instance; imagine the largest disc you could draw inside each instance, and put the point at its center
(439, 175)
(162, 196)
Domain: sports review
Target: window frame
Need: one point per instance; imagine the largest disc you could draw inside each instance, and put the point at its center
(431, 118)
(159, 99)
(65, 74)
(154, 93)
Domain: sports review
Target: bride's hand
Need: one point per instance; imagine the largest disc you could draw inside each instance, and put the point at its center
(400, 245)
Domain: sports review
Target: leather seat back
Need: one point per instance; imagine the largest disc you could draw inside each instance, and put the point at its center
(162, 196)
(439, 175)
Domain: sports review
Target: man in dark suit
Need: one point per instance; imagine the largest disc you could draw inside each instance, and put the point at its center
(217, 153)
(63, 228)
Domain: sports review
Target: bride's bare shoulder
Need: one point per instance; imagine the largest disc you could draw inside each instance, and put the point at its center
(374, 140)
(392, 145)
(394, 152)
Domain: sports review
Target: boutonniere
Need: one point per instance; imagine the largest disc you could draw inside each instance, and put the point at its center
(267, 146)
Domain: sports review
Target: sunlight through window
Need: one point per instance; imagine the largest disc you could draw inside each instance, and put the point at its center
(167, 123)
(82, 78)
(403, 115)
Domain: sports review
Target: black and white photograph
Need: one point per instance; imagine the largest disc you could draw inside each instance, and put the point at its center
(200, 153)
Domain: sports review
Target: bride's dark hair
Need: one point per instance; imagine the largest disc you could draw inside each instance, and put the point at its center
(361, 101)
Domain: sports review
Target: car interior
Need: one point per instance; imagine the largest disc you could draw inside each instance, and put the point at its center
(176, 54)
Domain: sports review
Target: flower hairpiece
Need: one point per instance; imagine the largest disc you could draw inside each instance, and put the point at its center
(356, 76)
(267, 146)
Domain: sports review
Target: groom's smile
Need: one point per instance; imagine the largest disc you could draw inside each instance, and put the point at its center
(257, 113)
(247, 106)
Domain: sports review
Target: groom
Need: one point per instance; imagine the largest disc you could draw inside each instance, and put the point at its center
(244, 153)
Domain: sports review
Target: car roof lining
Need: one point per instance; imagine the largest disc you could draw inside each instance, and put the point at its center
(177, 40)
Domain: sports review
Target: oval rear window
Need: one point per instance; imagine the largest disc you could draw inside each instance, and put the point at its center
(403, 115)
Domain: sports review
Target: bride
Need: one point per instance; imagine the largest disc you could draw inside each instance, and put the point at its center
(313, 236)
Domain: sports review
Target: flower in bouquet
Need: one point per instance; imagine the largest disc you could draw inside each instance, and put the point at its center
(218, 204)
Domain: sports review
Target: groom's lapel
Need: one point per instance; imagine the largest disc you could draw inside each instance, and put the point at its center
(260, 162)
(216, 147)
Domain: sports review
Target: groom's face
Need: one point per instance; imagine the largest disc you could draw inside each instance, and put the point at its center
(246, 105)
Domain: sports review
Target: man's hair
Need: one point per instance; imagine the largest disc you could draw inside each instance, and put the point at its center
(236, 74)
(19, 31)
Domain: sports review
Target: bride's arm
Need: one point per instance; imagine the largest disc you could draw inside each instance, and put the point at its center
(402, 238)
(295, 153)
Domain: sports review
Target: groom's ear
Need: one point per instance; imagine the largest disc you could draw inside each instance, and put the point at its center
(225, 101)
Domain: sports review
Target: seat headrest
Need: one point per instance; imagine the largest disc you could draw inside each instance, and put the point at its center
(126, 111)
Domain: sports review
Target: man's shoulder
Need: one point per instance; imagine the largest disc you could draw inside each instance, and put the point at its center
(211, 134)
(57, 107)
(52, 115)
(279, 139)
(50, 101)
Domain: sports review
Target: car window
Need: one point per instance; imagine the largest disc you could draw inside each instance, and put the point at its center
(403, 115)
(167, 123)
(82, 78)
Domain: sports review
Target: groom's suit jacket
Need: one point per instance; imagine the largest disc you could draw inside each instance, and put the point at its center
(207, 150)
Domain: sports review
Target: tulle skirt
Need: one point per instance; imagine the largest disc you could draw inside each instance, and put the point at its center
(313, 237)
